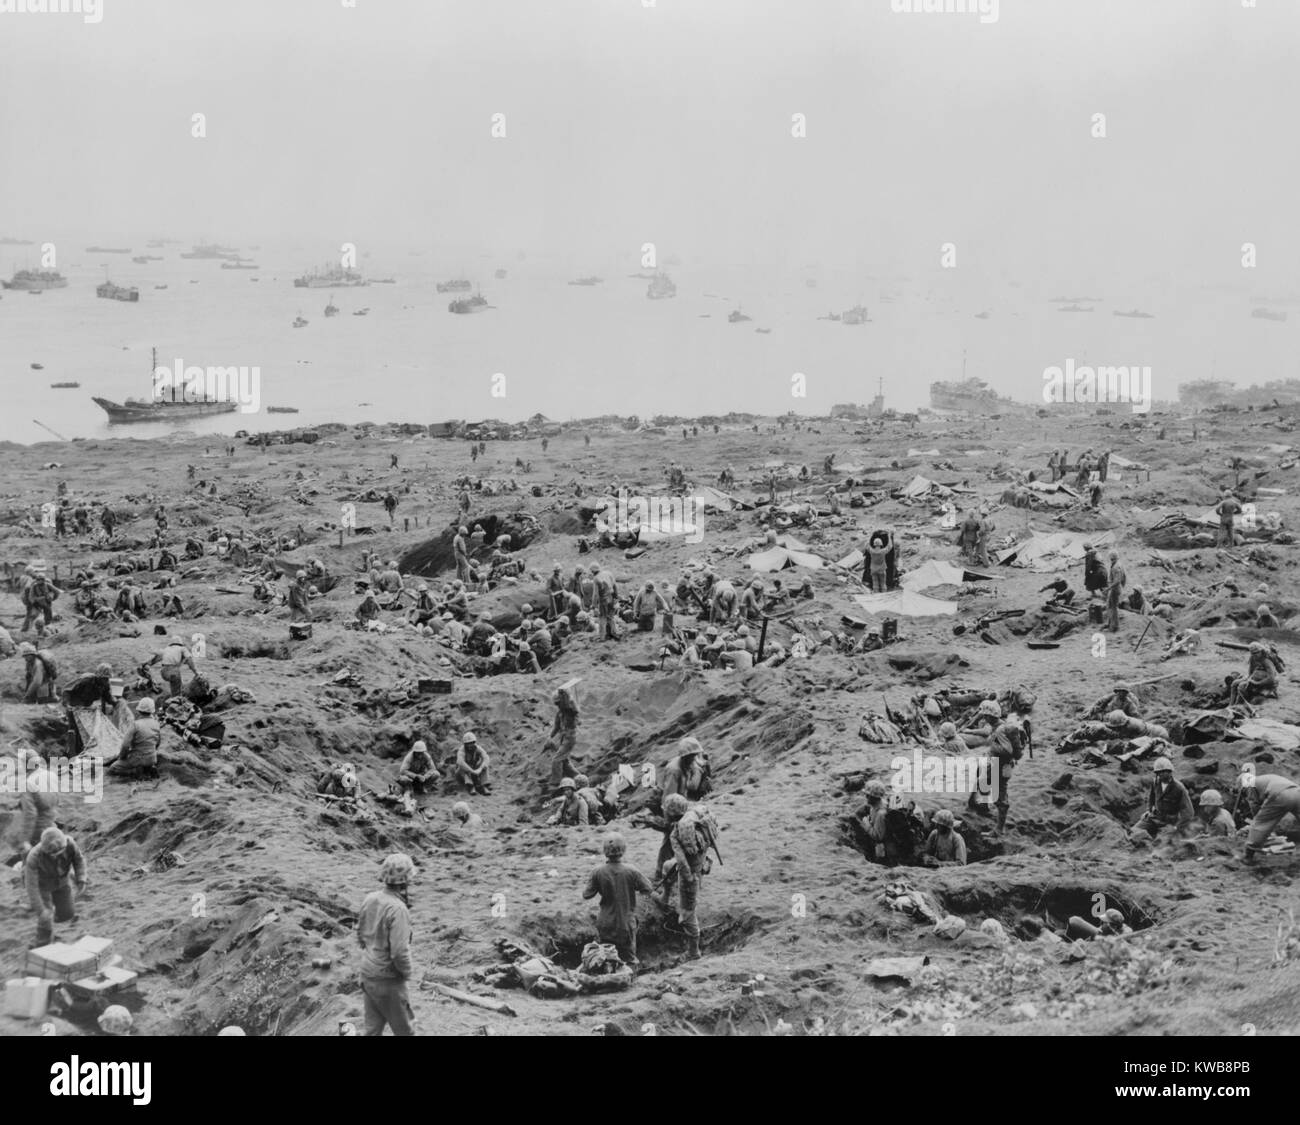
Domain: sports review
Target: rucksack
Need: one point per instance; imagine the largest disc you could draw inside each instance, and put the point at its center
(51, 668)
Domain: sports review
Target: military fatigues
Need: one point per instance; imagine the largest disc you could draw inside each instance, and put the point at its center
(384, 933)
(618, 884)
(1167, 806)
(1277, 796)
(689, 850)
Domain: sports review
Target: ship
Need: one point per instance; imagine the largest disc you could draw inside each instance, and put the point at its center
(811, 282)
(63, 386)
(7, 241)
(587, 281)
(330, 277)
(460, 285)
(1136, 314)
(36, 281)
(500, 275)
(764, 331)
(662, 286)
(159, 410)
(145, 259)
(117, 292)
(282, 410)
(1267, 314)
(212, 252)
(384, 281)
(300, 321)
(1075, 308)
(108, 250)
(38, 367)
(737, 317)
(472, 304)
(362, 312)
(856, 315)
(973, 396)
(331, 309)
(160, 287)
(240, 264)
(830, 316)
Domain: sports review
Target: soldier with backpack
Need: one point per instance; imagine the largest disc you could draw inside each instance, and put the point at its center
(692, 833)
(41, 673)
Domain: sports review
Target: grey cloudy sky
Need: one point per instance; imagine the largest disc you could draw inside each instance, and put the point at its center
(671, 124)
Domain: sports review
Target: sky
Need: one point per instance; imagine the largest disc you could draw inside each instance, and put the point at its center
(672, 123)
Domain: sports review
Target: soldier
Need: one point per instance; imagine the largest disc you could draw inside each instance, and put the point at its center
(872, 814)
(1227, 509)
(299, 598)
(461, 551)
(944, 847)
(690, 847)
(384, 934)
(606, 601)
(617, 884)
(1168, 804)
(564, 730)
(1121, 698)
(1218, 821)
(417, 773)
(1271, 797)
(1115, 582)
(49, 873)
(472, 765)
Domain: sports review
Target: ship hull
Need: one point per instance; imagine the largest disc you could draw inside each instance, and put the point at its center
(324, 283)
(35, 286)
(119, 414)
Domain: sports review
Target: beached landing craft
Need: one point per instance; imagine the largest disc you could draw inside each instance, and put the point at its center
(160, 410)
(36, 281)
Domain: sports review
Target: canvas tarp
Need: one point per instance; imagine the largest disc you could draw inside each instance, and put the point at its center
(905, 603)
(920, 486)
(1043, 551)
(777, 558)
(932, 572)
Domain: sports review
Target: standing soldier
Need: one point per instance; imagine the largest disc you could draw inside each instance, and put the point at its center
(299, 603)
(690, 843)
(1116, 581)
(461, 551)
(617, 884)
(174, 658)
(1227, 509)
(49, 872)
(564, 730)
(384, 933)
(607, 601)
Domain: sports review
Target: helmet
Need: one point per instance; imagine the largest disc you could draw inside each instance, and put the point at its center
(688, 746)
(462, 531)
(595, 568)
(26, 649)
(422, 588)
(743, 631)
(468, 737)
(1258, 646)
(52, 840)
(1121, 686)
(756, 584)
(396, 869)
(448, 617)
(614, 846)
(568, 783)
(420, 747)
(144, 707)
(947, 730)
(1162, 764)
(1263, 608)
(1115, 718)
(107, 669)
(581, 781)
(1114, 917)
(301, 574)
(944, 818)
(875, 790)
(674, 806)
(1212, 799)
(991, 708)
(115, 1020)
(460, 810)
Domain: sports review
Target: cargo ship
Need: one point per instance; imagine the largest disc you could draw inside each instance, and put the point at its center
(459, 285)
(1075, 308)
(500, 275)
(465, 305)
(117, 292)
(330, 277)
(1267, 314)
(145, 259)
(108, 250)
(212, 252)
(240, 264)
(587, 281)
(661, 287)
(856, 315)
(36, 281)
(972, 396)
(1135, 314)
(159, 410)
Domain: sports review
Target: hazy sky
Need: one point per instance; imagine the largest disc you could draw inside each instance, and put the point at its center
(672, 124)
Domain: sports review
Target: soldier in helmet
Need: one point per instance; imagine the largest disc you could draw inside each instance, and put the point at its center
(1261, 676)
(617, 884)
(1218, 821)
(872, 815)
(1270, 797)
(1121, 698)
(688, 866)
(1168, 805)
(944, 847)
(384, 933)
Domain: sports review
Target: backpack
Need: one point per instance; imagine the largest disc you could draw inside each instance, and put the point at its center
(51, 668)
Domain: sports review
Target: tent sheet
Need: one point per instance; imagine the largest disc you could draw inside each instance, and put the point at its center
(933, 572)
(1045, 551)
(778, 558)
(905, 603)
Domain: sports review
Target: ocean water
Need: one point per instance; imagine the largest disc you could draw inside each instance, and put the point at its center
(573, 352)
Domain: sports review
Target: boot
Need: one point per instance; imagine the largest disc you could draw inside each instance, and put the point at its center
(693, 947)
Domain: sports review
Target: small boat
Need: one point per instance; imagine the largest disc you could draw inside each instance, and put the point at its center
(361, 312)
(331, 309)
(1136, 314)
(457, 285)
(593, 280)
(499, 275)
(299, 321)
(160, 287)
(384, 281)
(1075, 308)
(476, 303)
(737, 317)
(282, 410)
(763, 331)
(38, 367)
(1267, 314)
(62, 386)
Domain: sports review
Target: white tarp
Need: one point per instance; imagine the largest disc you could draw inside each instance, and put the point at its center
(1047, 551)
(923, 453)
(920, 486)
(905, 603)
(714, 498)
(933, 572)
(778, 558)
